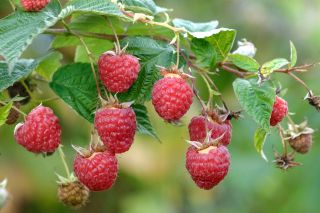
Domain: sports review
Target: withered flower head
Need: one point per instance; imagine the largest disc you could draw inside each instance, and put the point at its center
(313, 100)
(285, 161)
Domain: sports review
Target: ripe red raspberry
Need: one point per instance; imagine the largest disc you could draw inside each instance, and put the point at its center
(118, 72)
(209, 166)
(280, 110)
(198, 129)
(41, 132)
(171, 97)
(34, 5)
(116, 127)
(97, 172)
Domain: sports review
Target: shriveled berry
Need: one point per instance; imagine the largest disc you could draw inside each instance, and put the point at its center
(280, 110)
(34, 5)
(17, 89)
(98, 172)
(199, 126)
(116, 127)
(209, 166)
(14, 114)
(171, 97)
(301, 143)
(41, 131)
(73, 194)
(118, 72)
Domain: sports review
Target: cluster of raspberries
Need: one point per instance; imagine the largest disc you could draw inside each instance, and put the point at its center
(207, 159)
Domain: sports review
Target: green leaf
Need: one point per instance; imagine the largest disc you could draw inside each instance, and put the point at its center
(293, 55)
(260, 137)
(244, 62)
(49, 65)
(268, 67)
(100, 7)
(197, 30)
(144, 125)
(222, 42)
(74, 83)
(143, 6)
(257, 100)
(204, 52)
(151, 53)
(21, 69)
(18, 30)
(4, 112)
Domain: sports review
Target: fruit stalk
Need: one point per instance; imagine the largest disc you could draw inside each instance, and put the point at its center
(63, 159)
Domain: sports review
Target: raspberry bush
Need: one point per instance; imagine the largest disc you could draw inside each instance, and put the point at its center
(129, 53)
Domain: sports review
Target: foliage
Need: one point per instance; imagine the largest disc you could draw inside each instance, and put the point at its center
(146, 31)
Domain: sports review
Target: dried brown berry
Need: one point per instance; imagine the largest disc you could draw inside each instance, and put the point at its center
(302, 143)
(73, 194)
(13, 114)
(300, 137)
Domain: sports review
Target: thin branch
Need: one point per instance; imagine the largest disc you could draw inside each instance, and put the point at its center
(299, 81)
(234, 71)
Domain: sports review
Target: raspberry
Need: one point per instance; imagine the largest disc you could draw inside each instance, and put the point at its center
(97, 172)
(73, 194)
(209, 166)
(41, 132)
(34, 5)
(280, 110)
(198, 129)
(116, 127)
(118, 72)
(171, 97)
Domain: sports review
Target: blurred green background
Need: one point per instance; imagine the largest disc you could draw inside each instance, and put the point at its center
(153, 178)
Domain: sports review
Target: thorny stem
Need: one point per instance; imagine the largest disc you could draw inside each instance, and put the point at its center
(15, 108)
(284, 144)
(63, 159)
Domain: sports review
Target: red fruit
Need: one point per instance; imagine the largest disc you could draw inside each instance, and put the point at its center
(171, 97)
(118, 72)
(98, 171)
(116, 127)
(34, 5)
(198, 129)
(41, 131)
(209, 166)
(280, 110)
